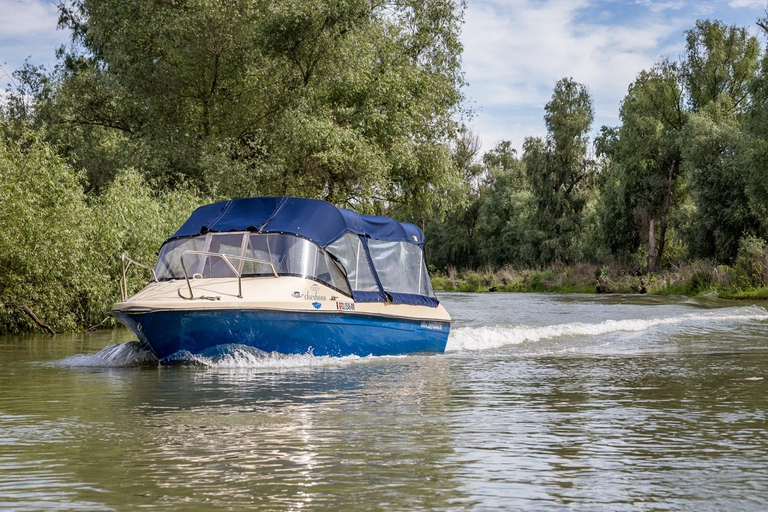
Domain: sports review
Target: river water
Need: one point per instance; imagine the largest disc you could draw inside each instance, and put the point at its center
(542, 402)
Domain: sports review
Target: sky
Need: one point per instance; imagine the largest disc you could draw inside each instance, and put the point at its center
(514, 51)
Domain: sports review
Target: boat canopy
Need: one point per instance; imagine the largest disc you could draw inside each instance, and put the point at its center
(313, 219)
(383, 260)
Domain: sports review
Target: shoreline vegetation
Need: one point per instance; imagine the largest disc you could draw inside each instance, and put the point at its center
(689, 279)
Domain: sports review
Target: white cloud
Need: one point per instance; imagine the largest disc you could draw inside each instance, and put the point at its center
(25, 18)
(28, 30)
(737, 4)
(516, 50)
(514, 53)
(657, 6)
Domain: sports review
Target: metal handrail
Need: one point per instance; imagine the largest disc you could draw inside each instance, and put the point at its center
(126, 262)
(225, 257)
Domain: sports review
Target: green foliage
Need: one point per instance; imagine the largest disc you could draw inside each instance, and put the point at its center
(134, 219)
(645, 153)
(59, 255)
(43, 247)
(471, 283)
(352, 101)
(504, 203)
(484, 220)
(679, 136)
(751, 268)
(720, 61)
(557, 170)
(716, 159)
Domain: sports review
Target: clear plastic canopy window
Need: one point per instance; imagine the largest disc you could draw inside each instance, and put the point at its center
(350, 252)
(400, 266)
(290, 255)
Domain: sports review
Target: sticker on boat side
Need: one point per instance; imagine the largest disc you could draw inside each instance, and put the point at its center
(296, 295)
(432, 326)
(316, 305)
(345, 306)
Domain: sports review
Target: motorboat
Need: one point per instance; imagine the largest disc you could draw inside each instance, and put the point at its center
(289, 275)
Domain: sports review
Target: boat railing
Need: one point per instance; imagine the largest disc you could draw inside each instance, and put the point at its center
(224, 257)
(127, 261)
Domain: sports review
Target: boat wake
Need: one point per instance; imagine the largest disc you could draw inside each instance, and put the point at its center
(490, 337)
(135, 353)
(132, 353)
(234, 355)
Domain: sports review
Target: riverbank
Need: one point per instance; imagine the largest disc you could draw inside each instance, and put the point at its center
(687, 279)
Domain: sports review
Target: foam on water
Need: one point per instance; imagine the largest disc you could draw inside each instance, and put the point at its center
(490, 337)
(132, 353)
(243, 356)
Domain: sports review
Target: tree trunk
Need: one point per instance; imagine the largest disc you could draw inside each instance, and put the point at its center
(665, 212)
(651, 246)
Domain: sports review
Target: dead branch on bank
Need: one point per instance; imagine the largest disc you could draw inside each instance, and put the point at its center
(26, 309)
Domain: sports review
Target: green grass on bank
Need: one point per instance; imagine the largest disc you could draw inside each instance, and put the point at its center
(688, 279)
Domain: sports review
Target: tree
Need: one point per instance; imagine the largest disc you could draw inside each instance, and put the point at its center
(658, 149)
(619, 225)
(720, 60)
(717, 156)
(756, 126)
(720, 63)
(503, 210)
(647, 150)
(556, 169)
(43, 246)
(480, 223)
(354, 101)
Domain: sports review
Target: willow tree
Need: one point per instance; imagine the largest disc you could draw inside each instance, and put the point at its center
(556, 169)
(355, 101)
(647, 149)
(680, 124)
(720, 64)
(757, 128)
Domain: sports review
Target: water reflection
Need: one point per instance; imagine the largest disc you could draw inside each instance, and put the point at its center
(370, 431)
(614, 432)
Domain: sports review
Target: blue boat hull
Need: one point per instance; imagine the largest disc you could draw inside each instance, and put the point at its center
(322, 334)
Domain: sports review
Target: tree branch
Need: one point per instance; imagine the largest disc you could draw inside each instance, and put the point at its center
(30, 314)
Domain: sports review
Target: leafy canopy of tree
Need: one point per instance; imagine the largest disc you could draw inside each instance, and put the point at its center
(556, 169)
(158, 105)
(60, 249)
(353, 101)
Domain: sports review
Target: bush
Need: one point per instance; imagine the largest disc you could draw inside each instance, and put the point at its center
(132, 219)
(699, 277)
(43, 246)
(60, 251)
(471, 283)
(751, 268)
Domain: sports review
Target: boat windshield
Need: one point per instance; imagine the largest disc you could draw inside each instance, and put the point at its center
(252, 255)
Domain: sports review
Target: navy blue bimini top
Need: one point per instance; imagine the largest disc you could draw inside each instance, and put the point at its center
(313, 219)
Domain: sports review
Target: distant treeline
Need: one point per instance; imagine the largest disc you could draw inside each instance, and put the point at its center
(158, 107)
(684, 177)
